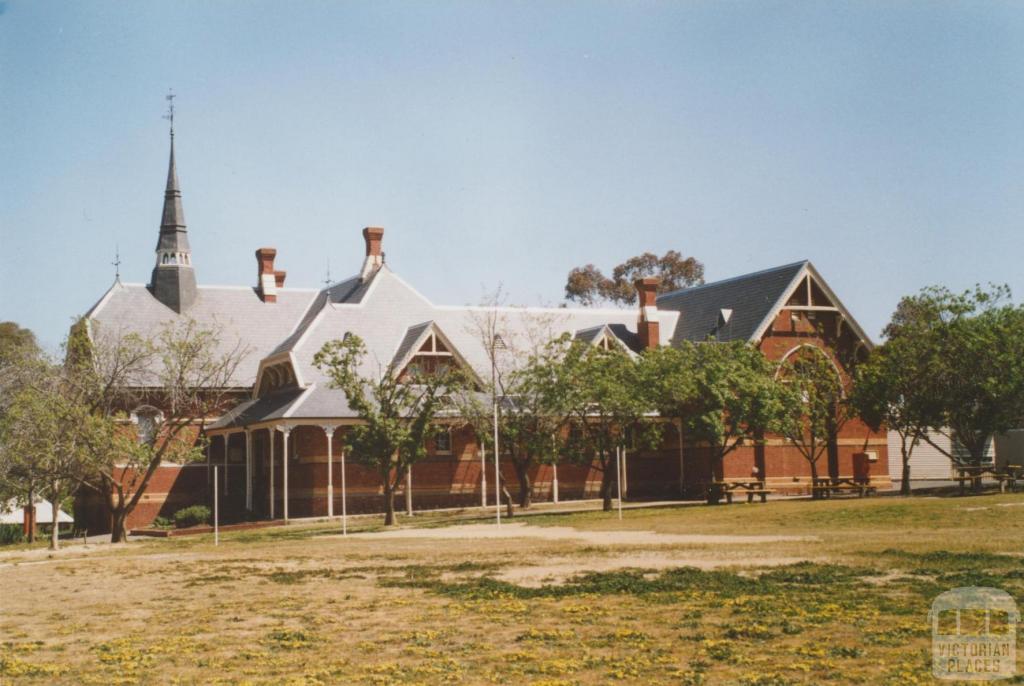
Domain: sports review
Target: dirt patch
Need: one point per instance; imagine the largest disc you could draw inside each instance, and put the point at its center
(561, 570)
(565, 533)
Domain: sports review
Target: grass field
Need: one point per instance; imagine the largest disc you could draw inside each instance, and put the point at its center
(302, 605)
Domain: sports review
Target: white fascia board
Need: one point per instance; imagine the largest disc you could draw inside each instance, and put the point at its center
(104, 299)
(842, 308)
(570, 311)
(309, 329)
(772, 313)
(805, 271)
(298, 401)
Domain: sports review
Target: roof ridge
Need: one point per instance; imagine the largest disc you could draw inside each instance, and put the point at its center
(690, 289)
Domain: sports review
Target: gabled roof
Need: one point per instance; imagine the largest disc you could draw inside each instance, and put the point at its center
(753, 300)
(751, 297)
(237, 312)
(618, 333)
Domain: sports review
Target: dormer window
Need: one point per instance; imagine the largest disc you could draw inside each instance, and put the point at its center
(433, 357)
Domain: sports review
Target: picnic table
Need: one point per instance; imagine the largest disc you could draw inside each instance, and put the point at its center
(975, 475)
(730, 488)
(828, 487)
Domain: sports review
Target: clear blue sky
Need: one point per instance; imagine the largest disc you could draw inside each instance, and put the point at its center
(512, 141)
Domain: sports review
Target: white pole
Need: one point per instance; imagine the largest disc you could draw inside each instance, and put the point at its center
(625, 472)
(248, 470)
(344, 497)
(483, 475)
(497, 472)
(216, 511)
(618, 476)
(554, 481)
(408, 490)
(285, 431)
(272, 432)
(329, 430)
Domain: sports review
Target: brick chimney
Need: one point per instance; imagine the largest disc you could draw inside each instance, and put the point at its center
(268, 280)
(647, 323)
(373, 235)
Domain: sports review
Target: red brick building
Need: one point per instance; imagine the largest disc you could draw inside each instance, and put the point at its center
(279, 449)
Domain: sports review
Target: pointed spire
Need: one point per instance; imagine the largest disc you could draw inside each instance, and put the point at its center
(173, 280)
(174, 214)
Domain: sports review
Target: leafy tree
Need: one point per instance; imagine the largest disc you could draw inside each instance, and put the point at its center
(814, 404)
(16, 343)
(977, 339)
(398, 414)
(599, 392)
(526, 429)
(724, 394)
(895, 389)
(47, 434)
(173, 383)
(588, 285)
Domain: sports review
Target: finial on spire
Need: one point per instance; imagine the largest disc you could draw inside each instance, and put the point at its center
(117, 262)
(170, 108)
(327, 281)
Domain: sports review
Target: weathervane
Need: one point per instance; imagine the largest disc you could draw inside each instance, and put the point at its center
(170, 108)
(327, 281)
(117, 262)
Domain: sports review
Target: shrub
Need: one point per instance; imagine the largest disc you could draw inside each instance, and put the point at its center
(192, 516)
(162, 523)
(11, 533)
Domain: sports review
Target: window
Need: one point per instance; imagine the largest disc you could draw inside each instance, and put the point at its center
(147, 420)
(443, 442)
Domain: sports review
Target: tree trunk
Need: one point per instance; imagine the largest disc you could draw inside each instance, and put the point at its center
(509, 512)
(905, 483)
(525, 487)
(54, 526)
(815, 494)
(31, 514)
(606, 487)
(389, 505)
(118, 532)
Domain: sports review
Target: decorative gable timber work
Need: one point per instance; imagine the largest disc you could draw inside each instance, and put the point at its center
(426, 349)
(807, 295)
(610, 336)
(746, 307)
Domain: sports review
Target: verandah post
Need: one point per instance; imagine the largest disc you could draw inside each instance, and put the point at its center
(285, 432)
(271, 431)
(329, 431)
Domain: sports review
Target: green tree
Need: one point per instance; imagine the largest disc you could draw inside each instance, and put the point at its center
(895, 389)
(16, 343)
(527, 430)
(724, 394)
(977, 376)
(48, 435)
(814, 404)
(160, 392)
(398, 413)
(599, 394)
(587, 285)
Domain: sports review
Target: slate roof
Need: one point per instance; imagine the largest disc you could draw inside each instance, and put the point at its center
(391, 317)
(751, 297)
(237, 312)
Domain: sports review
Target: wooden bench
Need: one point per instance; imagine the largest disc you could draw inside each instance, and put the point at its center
(830, 487)
(731, 488)
(977, 475)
